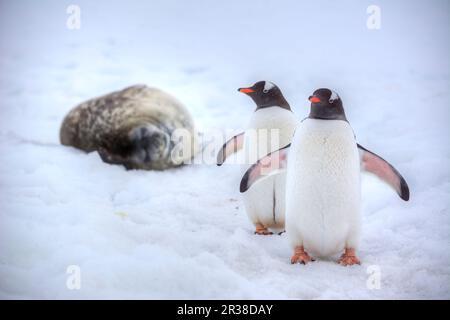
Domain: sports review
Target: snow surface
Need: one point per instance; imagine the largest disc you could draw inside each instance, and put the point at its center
(183, 233)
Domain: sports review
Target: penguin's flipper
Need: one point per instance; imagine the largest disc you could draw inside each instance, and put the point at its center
(373, 163)
(231, 146)
(273, 163)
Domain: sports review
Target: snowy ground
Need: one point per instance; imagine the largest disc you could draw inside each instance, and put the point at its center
(183, 233)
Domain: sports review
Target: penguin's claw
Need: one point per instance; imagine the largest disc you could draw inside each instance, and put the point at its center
(302, 259)
(348, 261)
(300, 256)
(349, 258)
(261, 230)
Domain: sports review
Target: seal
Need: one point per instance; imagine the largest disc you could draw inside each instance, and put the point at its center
(138, 127)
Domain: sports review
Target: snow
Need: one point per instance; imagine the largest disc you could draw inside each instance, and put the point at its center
(183, 233)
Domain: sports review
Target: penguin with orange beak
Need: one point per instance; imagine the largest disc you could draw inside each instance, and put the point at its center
(323, 187)
(271, 126)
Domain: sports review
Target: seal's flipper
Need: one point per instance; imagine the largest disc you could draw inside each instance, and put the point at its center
(109, 157)
(373, 163)
(272, 163)
(231, 146)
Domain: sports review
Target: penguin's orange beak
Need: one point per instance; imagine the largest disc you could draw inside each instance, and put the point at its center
(314, 99)
(246, 90)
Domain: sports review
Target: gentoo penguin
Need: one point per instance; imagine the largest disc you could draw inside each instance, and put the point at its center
(272, 119)
(323, 182)
(138, 127)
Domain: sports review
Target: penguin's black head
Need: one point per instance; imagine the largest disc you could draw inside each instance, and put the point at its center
(266, 94)
(326, 105)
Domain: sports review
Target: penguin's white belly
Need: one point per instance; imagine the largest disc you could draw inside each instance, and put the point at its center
(265, 201)
(323, 188)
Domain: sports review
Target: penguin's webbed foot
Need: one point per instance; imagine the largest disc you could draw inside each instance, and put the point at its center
(349, 258)
(301, 256)
(261, 230)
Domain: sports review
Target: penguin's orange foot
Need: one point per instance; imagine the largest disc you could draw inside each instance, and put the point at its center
(349, 258)
(261, 230)
(301, 256)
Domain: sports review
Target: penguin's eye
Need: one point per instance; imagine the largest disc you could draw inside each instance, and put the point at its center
(330, 100)
(265, 91)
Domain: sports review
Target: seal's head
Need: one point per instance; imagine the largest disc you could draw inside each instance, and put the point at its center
(150, 147)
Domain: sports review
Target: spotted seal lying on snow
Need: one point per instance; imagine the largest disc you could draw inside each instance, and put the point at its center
(136, 127)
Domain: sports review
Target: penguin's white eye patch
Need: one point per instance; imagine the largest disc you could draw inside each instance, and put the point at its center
(333, 97)
(267, 86)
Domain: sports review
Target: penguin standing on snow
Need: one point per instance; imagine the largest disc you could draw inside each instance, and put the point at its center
(323, 182)
(271, 126)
